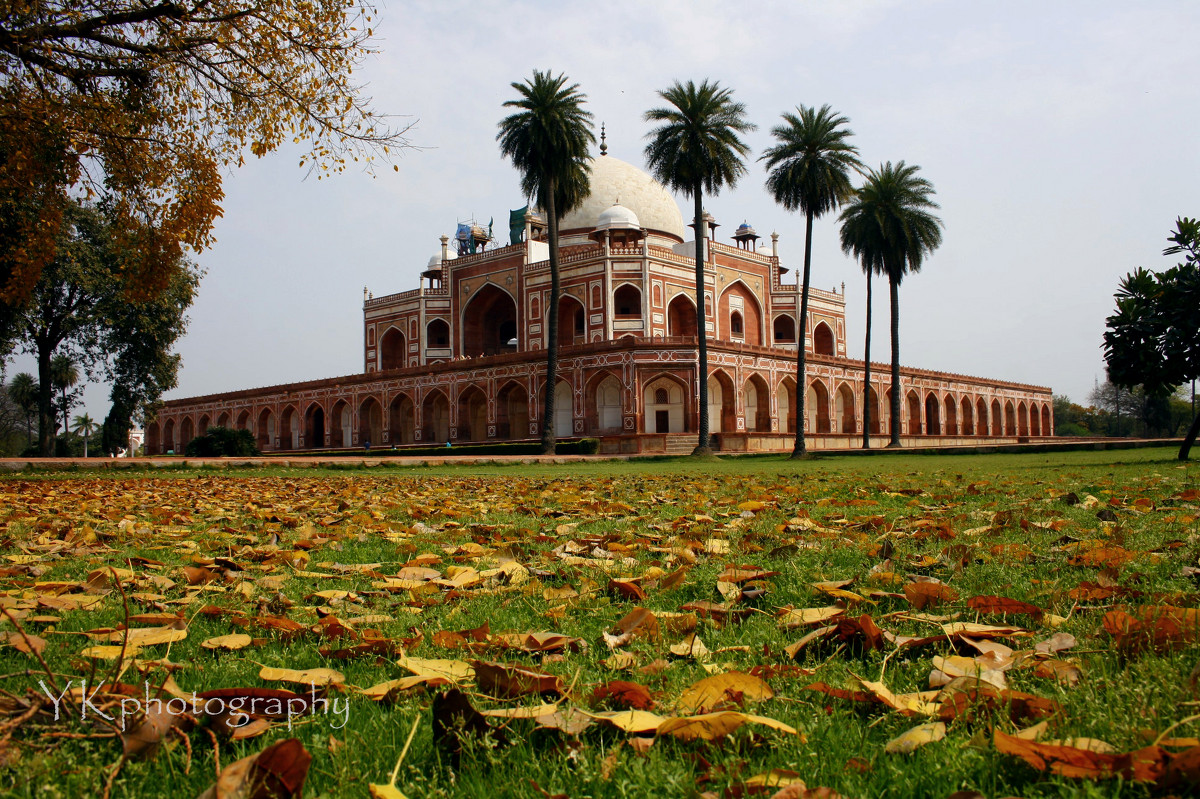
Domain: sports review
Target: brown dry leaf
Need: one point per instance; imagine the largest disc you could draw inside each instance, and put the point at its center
(1156, 627)
(627, 588)
(622, 694)
(277, 772)
(26, 643)
(1003, 606)
(691, 647)
(1143, 765)
(922, 595)
(141, 740)
(1063, 671)
(503, 680)
(711, 726)
(228, 642)
(908, 742)
(719, 689)
(302, 676)
(1055, 643)
(637, 623)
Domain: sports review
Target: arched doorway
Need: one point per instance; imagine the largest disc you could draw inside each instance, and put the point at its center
(489, 323)
(738, 315)
(785, 401)
(289, 428)
(608, 404)
(437, 335)
(391, 349)
(314, 427)
(243, 420)
(472, 415)
(784, 329)
(202, 426)
(1022, 420)
(186, 433)
(997, 421)
(914, 414)
(1035, 422)
(845, 419)
(572, 322)
(663, 399)
(223, 419)
(564, 413)
(951, 420)
(756, 402)
(823, 341)
(627, 302)
(342, 432)
(681, 316)
(435, 412)
(816, 407)
(402, 420)
(370, 422)
(1010, 418)
(879, 424)
(512, 412)
(722, 408)
(933, 420)
(266, 429)
(1047, 425)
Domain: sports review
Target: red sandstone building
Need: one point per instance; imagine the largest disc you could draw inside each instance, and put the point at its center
(462, 357)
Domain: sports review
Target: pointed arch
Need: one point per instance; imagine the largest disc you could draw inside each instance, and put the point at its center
(572, 321)
(950, 421)
(933, 416)
(845, 415)
(681, 316)
(437, 335)
(512, 411)
(823, 340)
(392, 349)
(756, 402)
(341, 430)
(722, 405)
(997, 419)
(435, 415)
(784, 329)
(472, 414)
(981, 416)
(968, 417)
(785, 402)
(1010, 418)
(314, 426)
(1047, 420)
(913, 400)
(267, 425)
(627, 302)
(186, 433)
(817, 406)
(168, 437)
(402, 419)
(289, 428)
(202, 425)
(489, 323)
(604, 401)
(879, 412)
(1022, 419)
(223, 419)
(370, 422)
(664, 403)
(739, 314)
(1035, 420)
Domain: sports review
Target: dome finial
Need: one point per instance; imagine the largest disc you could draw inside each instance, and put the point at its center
(603, 143)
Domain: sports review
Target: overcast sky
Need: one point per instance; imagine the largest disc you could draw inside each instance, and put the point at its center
(1061, 139)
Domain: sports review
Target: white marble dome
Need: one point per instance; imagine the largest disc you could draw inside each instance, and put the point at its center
(647, 200)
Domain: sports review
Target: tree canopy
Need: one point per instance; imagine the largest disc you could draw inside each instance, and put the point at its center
(1153, 339)
(147, 102)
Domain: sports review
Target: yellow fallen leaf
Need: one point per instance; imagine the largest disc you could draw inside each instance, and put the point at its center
(803, 617)
(638, 722)
(710, 692)
(453, 670)
(147, 636)
(108, 651)
(711, 726)
(302, 676)
(228, 642)
(910, 741)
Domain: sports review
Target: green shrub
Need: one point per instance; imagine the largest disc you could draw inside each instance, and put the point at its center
(220, 441)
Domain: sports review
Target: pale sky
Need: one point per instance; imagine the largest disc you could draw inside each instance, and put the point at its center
(1060, 137)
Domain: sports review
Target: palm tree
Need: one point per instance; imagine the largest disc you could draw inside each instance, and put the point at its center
(548, 141)
(696, 149)
(810, 172)
(890, 228)
(24, 392)
(84, 426)
(64, 375)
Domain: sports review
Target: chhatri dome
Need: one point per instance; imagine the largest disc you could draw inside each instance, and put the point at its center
(614, 180)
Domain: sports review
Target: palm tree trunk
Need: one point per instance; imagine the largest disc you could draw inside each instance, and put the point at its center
(801, 448)
(866, 415)
(45, 405)
(1193, 431)
(703, 445)
(548, 436)
(895, 292)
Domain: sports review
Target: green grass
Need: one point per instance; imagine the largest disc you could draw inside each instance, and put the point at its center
(75, 523)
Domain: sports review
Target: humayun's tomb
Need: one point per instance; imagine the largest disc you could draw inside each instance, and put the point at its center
(462, 358)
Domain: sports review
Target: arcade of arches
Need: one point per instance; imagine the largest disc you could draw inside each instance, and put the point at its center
(599, 402)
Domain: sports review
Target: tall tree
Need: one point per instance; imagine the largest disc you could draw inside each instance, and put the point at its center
(64, 375)
(695, 149)
(547, 141)
(809, 172)
(1153, 339)
(79, 306)
(889, 226)
(24, 392)
(150, 102)
(84, 426)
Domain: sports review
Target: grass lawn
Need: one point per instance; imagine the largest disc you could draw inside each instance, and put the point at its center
(894, 625)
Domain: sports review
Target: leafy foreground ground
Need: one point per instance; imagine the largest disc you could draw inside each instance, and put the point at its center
(891, 626)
